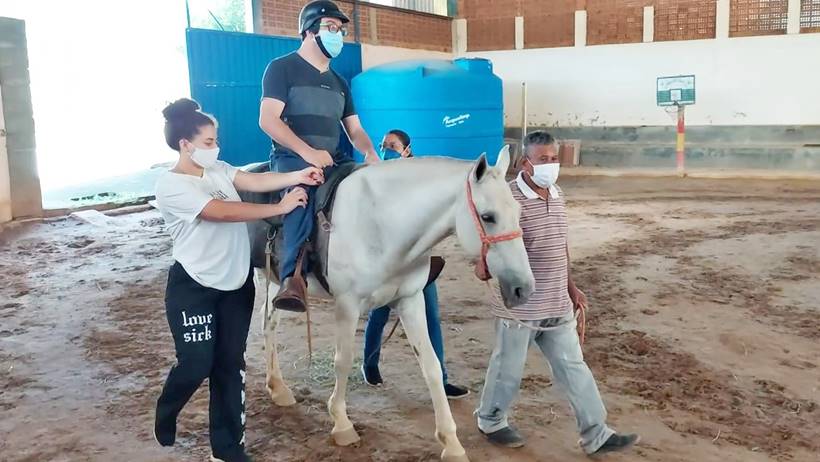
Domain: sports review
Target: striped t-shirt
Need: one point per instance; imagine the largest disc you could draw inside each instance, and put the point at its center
(544, 224)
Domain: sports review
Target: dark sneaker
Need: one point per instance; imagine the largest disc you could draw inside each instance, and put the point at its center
(455, 391)
(617, 443)
(239, 456)
(372, 376)
(507, 437)
(165, 432)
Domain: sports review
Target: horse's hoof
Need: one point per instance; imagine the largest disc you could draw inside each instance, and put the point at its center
(282, 398)
(346, 437)
(459, 458)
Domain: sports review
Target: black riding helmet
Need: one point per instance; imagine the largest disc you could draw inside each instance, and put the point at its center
(313, 12)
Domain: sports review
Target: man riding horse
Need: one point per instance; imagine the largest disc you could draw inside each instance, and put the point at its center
(304, 105)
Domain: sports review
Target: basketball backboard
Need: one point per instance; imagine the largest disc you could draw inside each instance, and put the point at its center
(677, 90)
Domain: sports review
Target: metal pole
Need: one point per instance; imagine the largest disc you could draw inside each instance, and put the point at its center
(216, 20)
(357, 36)
(680, 154)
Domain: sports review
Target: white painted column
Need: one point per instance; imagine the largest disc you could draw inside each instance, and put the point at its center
(374, 26)
(460, 37)
(648, 24)
(5, 179)
(793, 24)
(722, 19)
(249, 25)
(581, 28)
(519, 32)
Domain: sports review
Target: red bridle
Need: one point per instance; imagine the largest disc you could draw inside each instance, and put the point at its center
(481, 269)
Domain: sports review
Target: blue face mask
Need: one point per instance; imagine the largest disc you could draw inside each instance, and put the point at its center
(388, 154)
(331, 44)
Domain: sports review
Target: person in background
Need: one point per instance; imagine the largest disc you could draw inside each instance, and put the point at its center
(210, 293)
(305, 105)
(550, 309)
(396, 145)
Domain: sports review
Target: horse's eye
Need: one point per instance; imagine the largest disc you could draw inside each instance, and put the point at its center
(488, 218)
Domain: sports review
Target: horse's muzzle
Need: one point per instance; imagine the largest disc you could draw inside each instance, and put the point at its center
(516, 291)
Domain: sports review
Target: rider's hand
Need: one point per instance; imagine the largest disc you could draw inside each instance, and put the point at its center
(319, 158)
(372, 158)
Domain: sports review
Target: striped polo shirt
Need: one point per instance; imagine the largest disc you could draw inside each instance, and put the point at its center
(544, 224)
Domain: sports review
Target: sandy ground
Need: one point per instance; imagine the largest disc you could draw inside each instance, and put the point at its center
(703, 336)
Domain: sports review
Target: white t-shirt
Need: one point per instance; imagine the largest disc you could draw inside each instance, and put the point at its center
(214, 254)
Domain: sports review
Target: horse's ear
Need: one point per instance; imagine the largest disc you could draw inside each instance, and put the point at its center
(480, 168)
(503, 162)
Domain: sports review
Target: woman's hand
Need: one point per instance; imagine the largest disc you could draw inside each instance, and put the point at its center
(310, 176)
(296, 197)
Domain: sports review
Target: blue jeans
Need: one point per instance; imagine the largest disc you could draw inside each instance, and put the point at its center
(298, 224)
(562, 350)
(378, 319)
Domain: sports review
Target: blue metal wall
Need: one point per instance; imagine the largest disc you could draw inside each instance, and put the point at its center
(225, 70)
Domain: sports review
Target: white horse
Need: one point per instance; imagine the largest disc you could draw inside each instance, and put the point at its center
(385, 221)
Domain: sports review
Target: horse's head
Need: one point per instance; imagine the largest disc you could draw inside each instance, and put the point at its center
(487, 226)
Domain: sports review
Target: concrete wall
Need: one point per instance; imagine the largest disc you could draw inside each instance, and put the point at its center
(751, 109)
(374, 55)
(774, 147)
(26, 199)
(740, 81)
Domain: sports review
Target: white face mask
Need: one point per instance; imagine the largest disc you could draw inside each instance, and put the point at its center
(205, 158)
(545, 175)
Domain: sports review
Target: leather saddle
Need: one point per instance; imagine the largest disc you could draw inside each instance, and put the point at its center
(268, 230)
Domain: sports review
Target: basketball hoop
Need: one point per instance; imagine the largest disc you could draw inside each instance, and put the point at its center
(673, 94)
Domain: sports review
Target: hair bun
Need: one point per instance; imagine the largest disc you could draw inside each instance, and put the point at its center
(180, 108)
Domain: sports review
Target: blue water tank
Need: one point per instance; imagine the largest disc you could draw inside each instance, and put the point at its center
(449, 108)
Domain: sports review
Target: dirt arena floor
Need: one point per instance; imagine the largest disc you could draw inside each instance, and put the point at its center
(704, 337)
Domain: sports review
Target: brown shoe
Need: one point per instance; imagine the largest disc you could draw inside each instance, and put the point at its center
(291, 296)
